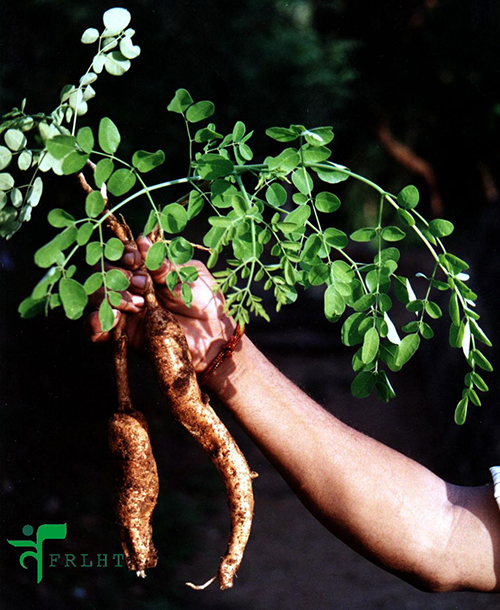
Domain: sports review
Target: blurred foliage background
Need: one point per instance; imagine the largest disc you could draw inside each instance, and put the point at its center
(413, 94)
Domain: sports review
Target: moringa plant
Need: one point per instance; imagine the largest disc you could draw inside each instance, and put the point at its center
(270, 224)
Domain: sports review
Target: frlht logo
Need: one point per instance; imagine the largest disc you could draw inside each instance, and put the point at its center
(47, 531)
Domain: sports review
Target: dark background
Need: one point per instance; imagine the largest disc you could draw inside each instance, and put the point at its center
(420, 78)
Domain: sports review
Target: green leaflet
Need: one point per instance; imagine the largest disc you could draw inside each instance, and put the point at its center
(363, 384)
(180, 251)
(109, 136)
(121, 182)
(94, 204)
(212, 166)
(173, 218)
(180, 102)
(199, 111)
(73, 297)
(408, 346)
(145, 161)
(371, 343)
(156, 255)
(334, 304)
(408, 197)
(461, 411)
(106, 316)
(327, 202)
(116, 280)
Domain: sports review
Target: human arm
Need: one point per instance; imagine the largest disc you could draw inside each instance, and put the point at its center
(387, 507)
(437, 536)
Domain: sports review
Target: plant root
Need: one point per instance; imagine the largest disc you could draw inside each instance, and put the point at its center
(136, 468)
(177, 379)
(203, 586)
(138, 488)
(129, 435)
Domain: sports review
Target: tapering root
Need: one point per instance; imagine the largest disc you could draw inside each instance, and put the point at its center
(177, 379)
(203, 586)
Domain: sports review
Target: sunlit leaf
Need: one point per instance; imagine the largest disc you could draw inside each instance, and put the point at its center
(90, 35)
(121, 181)
(116, 20)
(145, 161)
(109, 136)
(199, 111)
(73, 297)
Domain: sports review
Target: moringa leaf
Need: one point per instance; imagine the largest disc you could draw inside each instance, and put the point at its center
(199, 111)
(116, 280)
(180, 251)
(180, 102)
(408, 197)
(371, 342)
(103, 171)
(212, 166)
(327, 202)
(461, 411)
(90, 36)
(145, 161)
(116, 20)
(73, 297)
(156, 255)
(60, 218)
(108, 136)
(94, 204)
(363, 384)
(121, 181)
(5, 157)
(106, 316)
(113, 249)
(85, 139)
(408, 346)
(173, 218)
(440, 228)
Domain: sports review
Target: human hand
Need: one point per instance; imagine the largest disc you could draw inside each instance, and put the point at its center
(206, 326)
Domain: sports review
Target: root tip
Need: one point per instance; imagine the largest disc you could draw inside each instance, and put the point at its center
(141, 573)
(203, 586)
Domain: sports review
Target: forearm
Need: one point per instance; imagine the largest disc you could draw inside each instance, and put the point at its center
(381, 503)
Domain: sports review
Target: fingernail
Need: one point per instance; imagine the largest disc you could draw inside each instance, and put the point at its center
(129, 258)
(137, 300)
(139, 281)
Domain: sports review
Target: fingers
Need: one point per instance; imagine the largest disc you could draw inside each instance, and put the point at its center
(131, 258)
(131, 303)
(205, 304)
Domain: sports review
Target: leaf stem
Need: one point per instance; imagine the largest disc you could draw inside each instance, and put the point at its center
(143, 191)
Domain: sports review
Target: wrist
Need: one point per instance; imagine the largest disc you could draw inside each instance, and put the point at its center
(220, 332)
(228, 376)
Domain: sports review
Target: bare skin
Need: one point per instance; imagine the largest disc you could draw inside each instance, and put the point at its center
(437, 536)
